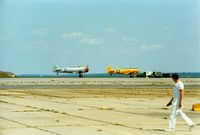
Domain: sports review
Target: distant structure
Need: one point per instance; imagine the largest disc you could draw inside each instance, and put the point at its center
(153, 75)
(126, 71)
(4, 74)
(166, 75)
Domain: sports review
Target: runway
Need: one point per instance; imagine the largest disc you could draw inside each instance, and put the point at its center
(92, 106)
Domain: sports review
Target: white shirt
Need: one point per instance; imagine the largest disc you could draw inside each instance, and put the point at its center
(176, 90)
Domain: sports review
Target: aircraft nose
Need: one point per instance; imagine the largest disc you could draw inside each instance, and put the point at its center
(86, 69)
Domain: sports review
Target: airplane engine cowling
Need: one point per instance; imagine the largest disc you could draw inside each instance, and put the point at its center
(86, 69)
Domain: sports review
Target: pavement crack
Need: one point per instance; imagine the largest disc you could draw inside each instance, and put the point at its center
(29, 126)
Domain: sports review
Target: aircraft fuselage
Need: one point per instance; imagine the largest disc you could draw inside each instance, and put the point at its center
(75, 70)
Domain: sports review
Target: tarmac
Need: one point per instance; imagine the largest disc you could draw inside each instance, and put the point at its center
(93, 106)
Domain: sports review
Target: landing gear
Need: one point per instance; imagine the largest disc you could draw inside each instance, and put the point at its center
(81, 75)
(131, 75)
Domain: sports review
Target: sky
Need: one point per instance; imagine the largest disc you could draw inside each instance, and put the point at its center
(153, 35)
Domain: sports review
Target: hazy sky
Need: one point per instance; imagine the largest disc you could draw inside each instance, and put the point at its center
(159, 35)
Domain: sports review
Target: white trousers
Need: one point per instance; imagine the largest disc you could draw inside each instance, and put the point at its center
(177, 111)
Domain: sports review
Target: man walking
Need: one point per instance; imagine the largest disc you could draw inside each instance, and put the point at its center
(177, 104)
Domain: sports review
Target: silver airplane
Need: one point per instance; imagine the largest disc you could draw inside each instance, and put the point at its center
(74, 69)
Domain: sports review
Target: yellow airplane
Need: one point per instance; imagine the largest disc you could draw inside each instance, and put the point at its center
(125, 71)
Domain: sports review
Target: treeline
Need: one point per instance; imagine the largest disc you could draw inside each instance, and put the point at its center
(6, 74)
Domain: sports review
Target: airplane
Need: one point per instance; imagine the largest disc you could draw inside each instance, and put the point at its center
(127, 71)
(73, 69)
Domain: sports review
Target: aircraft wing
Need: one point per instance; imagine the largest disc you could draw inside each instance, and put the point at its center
(127, 73)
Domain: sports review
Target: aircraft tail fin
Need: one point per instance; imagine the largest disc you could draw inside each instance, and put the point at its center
(55, 65)
(56, 68)
(108, 69)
